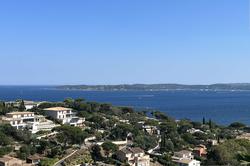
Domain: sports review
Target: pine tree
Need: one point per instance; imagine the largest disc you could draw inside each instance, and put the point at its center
(210, 124)
(22, 106)
(204, 120)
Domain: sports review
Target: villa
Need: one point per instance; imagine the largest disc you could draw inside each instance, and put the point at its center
(29, 120)
(151, 129)
(40, 123)
(31, 104)
(28, 104)
(200, 151)
(193, 130)
(185, 158)
(18, 120)
(133, 156)
(65, 115)
(34, 159)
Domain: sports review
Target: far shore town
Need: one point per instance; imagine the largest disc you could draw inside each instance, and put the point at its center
(79, 132)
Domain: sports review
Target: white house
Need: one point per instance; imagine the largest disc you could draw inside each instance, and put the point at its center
(193, 130)
(185, 158)
(28, 104)
(187, 162)
(151, 129)
(29, 120)
(133, 156)
(40, 123)
(65, 115)
(18, 119)
(31, 104)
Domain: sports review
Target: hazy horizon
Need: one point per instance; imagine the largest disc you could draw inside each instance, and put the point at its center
(120, 84)
(95, 42)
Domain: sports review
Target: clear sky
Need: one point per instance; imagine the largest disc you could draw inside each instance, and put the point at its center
(124, 41)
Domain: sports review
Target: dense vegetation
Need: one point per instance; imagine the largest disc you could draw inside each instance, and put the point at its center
(231, 152)
(5, 108)
(110, 123)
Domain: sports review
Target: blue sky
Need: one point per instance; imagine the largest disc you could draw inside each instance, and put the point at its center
(124, 41)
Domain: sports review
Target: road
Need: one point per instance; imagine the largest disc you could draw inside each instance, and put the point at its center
(86, 145)
(59, 163)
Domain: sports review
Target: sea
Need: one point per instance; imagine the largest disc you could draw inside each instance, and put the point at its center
(222, 107)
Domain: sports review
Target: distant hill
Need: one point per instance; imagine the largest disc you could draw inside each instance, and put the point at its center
(156, 87)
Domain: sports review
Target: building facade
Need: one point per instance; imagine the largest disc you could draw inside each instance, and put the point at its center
(40, 123)
(185, 158)
(28, 120)
(18, 120)
(31, 104)
(133, 156)
(65, 115)
(200, 151)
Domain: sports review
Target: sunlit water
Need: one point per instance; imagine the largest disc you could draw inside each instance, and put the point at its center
(222, 107)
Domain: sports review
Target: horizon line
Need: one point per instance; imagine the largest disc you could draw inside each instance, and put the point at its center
(121, 84)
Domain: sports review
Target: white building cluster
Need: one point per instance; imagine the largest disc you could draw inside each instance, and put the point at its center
(134, 156)
(65, 116)
(185, 158)
(29, 120)
(34, 123)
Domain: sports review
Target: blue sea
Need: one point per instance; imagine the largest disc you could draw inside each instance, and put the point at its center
(223, 107)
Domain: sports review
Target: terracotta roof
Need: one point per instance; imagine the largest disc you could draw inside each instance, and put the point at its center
(57, 109)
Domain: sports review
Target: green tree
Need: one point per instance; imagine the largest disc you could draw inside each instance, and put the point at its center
(211, 124)
(43, 145)
(55, 151)
(151, 122)
(166, 145)
(25, 151)
(105, 108)
(161, 116)
(48, 162)
(5, 108)
(22, 106)
(145, 141)
(201, 136)
(203, 121)
(183, 126)
(237, 125)
(190, 139)
(168, 127)
(121, 131)
(166, 160)
(70, 135)
(229, 153)
(96, 153)
(5, 150)
(94, 106)
(4, 139)
(98, 121)
(18, 135)
(109, 147)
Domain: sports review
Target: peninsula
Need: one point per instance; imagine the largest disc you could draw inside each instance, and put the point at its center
(158, 87)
